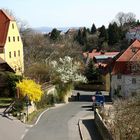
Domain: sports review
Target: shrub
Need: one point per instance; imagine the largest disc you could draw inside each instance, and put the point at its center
(30, 89)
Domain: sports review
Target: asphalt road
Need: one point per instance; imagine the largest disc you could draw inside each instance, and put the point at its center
(60, 123)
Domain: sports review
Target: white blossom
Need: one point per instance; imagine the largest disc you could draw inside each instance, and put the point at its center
(68, 70)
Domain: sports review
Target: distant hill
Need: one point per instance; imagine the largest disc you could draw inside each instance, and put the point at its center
(49, 29)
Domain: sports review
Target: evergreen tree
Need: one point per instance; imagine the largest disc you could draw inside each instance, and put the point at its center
(90, 71)
(93, 29)
(82, 36)
(79, 37)
(113, 33)
(103, 33)
(55, 34)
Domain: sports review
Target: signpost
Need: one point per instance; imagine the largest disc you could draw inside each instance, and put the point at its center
(27, 103)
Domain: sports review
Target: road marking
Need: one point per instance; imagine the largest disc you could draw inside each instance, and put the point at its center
(26, 130)
(44, 112)
(40, 116)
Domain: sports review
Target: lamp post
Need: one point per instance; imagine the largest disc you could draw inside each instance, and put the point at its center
(27, 103)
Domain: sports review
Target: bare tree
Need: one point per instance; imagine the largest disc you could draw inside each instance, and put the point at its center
(125, 18)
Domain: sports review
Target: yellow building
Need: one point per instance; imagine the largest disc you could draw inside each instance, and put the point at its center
(11, 47)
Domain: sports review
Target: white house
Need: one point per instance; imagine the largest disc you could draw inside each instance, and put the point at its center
(125, 79)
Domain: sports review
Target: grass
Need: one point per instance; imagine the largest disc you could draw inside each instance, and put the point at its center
(32, 118)
(4, 102)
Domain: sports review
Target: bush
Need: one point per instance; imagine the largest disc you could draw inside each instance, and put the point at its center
(62, 90)
(9, 80)
(126, 119)
(46, 100)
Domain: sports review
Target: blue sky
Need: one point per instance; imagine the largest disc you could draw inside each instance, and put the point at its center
(68, 13)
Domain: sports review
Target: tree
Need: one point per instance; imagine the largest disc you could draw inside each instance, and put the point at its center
(67, 70)
(93, 29)
(90, 71)
(55, 34)
(31, 89)
(125, 19)
(103, 33)
(82, 36)
(113, 33)
(65, 73)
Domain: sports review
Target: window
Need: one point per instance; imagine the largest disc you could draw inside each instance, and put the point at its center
(14, 53)
(133, 80)
(10, 55)
(18, 52)
(13, 38)
(18, 38)
(119, 76)
(9, 39)
(13, 25)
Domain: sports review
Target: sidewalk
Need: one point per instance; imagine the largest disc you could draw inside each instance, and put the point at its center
(88, 128)
(11, 128)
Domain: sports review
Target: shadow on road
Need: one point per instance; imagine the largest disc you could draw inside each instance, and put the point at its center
(92, 129)
(88, 107)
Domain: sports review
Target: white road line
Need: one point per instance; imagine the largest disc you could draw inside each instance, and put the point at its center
(26, 130)
(40, 116)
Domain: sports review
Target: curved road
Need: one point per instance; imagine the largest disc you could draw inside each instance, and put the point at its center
(60, 123)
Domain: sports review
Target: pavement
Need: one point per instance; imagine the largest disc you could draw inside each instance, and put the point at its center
(62, 122)
(88, 129)
(11, 128)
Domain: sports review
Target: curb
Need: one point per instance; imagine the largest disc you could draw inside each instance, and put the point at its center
(43, 113)
(80, 129)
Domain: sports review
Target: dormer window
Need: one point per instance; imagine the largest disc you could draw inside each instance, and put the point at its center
(134, 50)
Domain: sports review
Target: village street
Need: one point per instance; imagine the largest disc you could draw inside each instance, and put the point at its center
(59, 123)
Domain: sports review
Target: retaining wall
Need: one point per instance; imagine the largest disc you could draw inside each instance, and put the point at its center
(102, 128)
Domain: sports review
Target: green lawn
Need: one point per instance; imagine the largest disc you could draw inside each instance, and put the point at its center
(4, 102)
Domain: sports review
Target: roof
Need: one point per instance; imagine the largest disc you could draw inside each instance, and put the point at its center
(102, 55)
(4, 25)
(132, 54)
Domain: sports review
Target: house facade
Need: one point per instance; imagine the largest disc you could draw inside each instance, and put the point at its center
(11, 47)
(125, 79)
(133, 33)
(103, 61)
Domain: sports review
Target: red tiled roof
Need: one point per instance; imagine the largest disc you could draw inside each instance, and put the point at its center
(95, 53)
(4, 25)
(132, 54)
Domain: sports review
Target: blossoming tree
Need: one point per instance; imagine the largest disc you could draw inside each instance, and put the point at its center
(66, 72)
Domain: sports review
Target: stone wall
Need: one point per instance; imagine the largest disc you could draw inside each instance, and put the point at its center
(104, 132)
